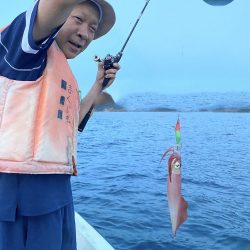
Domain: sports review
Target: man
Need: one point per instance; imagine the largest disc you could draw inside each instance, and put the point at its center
(39, 115)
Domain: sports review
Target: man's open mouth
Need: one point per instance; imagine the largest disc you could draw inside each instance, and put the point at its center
(77, 46)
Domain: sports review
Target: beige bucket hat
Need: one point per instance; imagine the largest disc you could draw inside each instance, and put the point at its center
(107, 17)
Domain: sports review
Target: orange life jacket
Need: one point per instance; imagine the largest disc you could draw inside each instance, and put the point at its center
(39, 120)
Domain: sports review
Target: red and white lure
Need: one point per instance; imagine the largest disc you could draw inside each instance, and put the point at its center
(176, 203)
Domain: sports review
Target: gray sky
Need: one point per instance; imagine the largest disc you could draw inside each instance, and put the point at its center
(180, 46)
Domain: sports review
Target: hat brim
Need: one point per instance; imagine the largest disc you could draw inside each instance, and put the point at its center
(108, 18)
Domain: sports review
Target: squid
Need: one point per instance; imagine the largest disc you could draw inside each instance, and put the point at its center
(176, 203)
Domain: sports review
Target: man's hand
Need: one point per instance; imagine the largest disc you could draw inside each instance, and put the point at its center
(109, 74)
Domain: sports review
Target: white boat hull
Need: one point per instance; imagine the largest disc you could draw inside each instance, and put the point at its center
(87, 237)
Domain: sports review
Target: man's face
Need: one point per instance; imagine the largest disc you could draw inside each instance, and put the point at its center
(79, 30)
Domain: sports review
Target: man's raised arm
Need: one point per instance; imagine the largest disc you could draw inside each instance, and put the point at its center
(51, 14)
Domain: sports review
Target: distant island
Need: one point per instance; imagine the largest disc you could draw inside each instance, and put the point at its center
(107, 103)
(235, 102)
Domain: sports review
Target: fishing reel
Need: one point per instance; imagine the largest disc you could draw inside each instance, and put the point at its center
(109, 60)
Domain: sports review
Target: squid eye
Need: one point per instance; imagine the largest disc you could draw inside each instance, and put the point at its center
(177, 165)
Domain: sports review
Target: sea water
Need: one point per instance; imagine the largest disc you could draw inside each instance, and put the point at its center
(121, 187)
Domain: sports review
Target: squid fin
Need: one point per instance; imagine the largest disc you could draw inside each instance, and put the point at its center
(182, 213)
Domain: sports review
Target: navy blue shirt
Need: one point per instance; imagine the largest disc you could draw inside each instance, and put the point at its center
(22, 59)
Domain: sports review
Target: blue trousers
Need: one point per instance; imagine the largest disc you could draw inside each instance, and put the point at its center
(54, 231)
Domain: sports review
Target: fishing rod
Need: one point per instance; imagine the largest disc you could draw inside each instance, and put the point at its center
(109, 60)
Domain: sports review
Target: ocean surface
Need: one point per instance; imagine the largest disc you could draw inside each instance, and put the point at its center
(121, 187)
